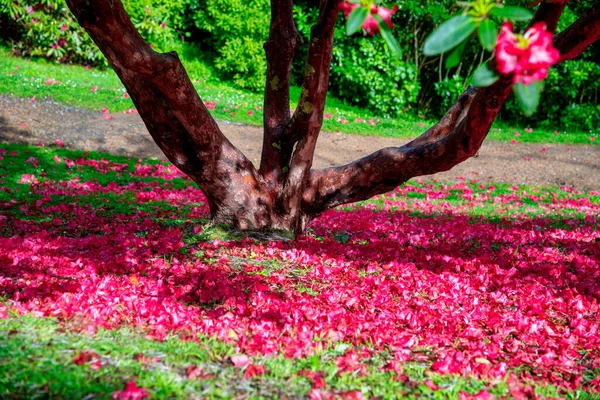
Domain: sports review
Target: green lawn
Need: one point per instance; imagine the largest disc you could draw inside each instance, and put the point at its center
(41, 358)
(96, 89)
(59, 358)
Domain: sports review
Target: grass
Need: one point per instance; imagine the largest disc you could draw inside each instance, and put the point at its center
(37, 360)
(96, 89)
(37, 355)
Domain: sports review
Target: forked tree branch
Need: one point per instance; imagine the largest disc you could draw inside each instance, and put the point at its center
(580, 35)
(280, 49)
(167, 102)
(457, 136)
(307, 121)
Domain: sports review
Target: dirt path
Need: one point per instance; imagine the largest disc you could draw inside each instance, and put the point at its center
(22, 121)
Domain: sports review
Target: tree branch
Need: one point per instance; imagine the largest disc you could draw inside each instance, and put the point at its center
(280, 49)
(457, 136)
(305, 126)
(167, 102)
(580, 35)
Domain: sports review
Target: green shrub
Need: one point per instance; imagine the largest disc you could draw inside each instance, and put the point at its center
(364, 73)
(236, 30)
(50, 31)
(449, 89)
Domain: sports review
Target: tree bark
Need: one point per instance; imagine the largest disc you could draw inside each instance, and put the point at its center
(285, 194)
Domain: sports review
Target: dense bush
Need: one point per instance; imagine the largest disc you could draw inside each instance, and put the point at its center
(232, 32)
(236, 31)
(48, 29)
(364, 73)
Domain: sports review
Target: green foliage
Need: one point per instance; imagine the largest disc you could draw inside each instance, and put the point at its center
(49, 30)
(231, 34)
(449, 89)
(236, 31)
(363, 72)
(570, 98)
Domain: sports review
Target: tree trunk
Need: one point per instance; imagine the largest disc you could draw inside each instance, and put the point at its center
(285, 193)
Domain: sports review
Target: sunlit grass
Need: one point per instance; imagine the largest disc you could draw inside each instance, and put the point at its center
(97, 89)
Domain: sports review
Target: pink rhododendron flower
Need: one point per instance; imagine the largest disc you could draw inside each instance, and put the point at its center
(131, 111)
(88, 357)
(27, 179)
(371, 25)
(33, 161)
(63, 27)
(105, 111)
(254, 370)
(240, 360)
(131, 392)
(125, 95)
(328, 116)
(250, 112)
(59, 143)
(529, 56)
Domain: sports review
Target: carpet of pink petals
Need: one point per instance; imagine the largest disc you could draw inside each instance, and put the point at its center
(416, 279)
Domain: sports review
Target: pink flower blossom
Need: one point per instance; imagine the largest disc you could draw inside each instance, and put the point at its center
(105, 111)
(131, 392)
(253, 370)
(125, 95)
(63, 27)
(240, 360)
(250, 112)
(33, 161)
(27, 179)
(371, 25)
(59, 143)
(528, 57)
(131, 111)
(328, 116)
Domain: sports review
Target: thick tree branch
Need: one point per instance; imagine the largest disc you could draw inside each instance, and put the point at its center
(307, 121)
(171, 109)
(580, 35)
(457, 136)
(280, 49)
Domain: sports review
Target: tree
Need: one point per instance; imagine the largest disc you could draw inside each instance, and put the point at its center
(284, 193)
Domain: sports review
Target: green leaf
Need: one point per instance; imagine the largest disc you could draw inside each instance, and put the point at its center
(449, 34)
(356, 19)
(488, 33)
(454, 58)
(512, 13)
(387, 34)
(484, 76)
(528, 96)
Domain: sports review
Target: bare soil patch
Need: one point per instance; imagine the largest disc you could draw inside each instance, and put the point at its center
(23, 121)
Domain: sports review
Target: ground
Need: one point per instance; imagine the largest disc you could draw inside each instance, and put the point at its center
(30, 122)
